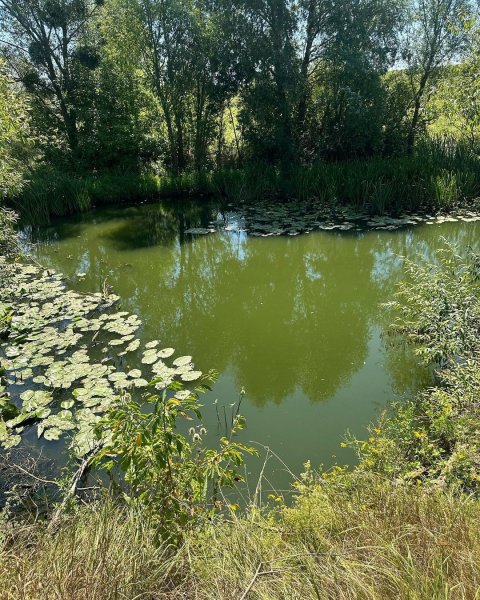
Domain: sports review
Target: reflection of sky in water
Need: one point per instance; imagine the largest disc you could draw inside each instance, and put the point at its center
(294, 320)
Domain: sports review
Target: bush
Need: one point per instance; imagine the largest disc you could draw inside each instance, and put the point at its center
(433, 438)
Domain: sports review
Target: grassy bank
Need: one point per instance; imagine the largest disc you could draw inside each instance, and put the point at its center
(349, 537)
(438, 178)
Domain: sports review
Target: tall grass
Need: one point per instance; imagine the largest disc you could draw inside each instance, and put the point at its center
(440, 176)
(350, 537)
(102, 552)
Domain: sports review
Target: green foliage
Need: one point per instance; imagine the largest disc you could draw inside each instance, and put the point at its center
(15, 138)
(438, 306)
(440, 177)
(8, 237)
(9, 250)
(175, 87)
(46, 57)
(437, 32)
(455, 104)
(170, 477)
(432, 438)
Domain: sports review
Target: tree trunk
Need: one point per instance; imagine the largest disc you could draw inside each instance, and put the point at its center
(412, 134)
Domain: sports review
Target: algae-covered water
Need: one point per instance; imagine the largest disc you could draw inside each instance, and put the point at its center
(296, 321)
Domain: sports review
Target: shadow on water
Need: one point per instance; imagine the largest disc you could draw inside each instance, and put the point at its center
(160, 225)
(131, 227)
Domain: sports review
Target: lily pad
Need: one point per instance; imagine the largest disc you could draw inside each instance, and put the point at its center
(166, 353)
(182, 361)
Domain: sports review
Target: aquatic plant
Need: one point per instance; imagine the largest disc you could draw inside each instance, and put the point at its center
(66, 350)
(65, 371)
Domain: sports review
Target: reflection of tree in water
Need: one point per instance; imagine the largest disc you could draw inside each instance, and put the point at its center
(160, 224)
(282, 313)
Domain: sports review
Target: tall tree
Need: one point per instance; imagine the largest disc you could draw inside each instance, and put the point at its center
(187, 60)
(40, 39)
(115, 110)
(361, 43)
(271, 90)
(437, 33)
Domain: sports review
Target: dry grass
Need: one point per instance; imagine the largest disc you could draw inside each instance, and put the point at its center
(355, 537)
(101, 553)
(348, 539)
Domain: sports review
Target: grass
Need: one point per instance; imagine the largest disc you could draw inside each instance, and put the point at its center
(439, 177)
(345, 537)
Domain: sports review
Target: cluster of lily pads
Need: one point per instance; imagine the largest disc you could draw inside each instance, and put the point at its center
(66, 358)
(263, 220)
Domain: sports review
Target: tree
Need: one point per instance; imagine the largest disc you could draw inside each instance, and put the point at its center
(346, 50)
(41, 41)
(15, 137)
(270, 90)
(185, 49)
(438, 33)
(116, 112)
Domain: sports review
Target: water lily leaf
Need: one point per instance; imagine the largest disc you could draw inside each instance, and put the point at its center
(122, 384)
(133, 346)
(12, 441)
(65, 415)
(149, 359)
(166, 353)
(33, 399)
(4, 434)
(52, 434)
(192, 376)
(21, 418)
(117, 376)
(139, 383)
(182, 361)
(12, 351)
(43, 413)
(199, 231)
(152, 344)
(67, 404)
(91, 401)
(135, 373)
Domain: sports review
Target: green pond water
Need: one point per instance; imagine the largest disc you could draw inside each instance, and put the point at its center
(295, 321)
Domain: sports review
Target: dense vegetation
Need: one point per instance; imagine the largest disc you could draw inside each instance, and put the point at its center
(372, 104)
(127, 99)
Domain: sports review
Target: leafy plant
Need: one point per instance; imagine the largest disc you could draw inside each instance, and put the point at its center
(433, 438)
(169, 476)
(438, 306)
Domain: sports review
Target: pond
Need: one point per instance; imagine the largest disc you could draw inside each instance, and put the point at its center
(295, 321)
